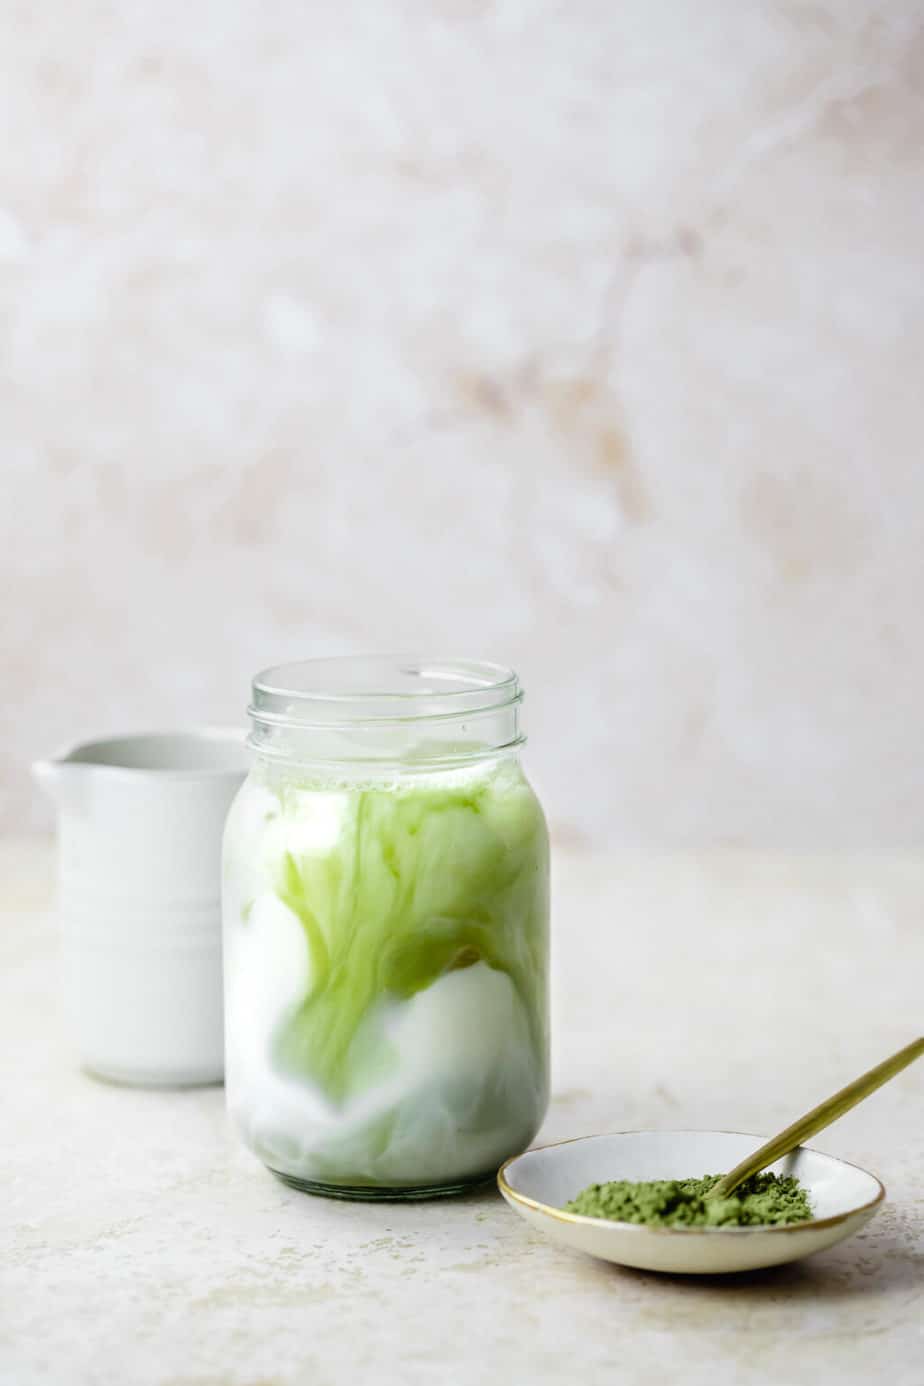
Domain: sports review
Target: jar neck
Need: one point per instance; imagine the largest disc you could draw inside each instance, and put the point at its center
(379, 714)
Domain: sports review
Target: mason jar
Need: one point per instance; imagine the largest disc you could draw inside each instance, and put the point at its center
(385, 908)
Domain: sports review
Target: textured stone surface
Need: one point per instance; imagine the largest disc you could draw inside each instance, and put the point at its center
(142, 1245)
(587, 337)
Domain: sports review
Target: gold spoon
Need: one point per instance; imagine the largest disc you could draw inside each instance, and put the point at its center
(817, 1119)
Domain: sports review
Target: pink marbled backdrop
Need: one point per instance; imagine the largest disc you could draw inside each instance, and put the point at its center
(583, 336)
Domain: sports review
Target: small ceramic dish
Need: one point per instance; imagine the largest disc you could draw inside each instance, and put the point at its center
(539, 1183)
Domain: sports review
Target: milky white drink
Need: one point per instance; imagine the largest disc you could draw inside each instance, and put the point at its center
(386, 909)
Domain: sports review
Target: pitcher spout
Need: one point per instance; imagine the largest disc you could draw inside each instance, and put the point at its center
(57, 775)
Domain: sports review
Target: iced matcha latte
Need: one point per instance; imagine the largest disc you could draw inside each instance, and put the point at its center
(386, 936)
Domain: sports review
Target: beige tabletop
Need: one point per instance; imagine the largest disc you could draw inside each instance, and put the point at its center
(142, 1246)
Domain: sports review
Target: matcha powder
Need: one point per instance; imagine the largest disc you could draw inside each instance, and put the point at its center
(764, 1200)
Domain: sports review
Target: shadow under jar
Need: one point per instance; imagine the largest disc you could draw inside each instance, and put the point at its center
(386, 928)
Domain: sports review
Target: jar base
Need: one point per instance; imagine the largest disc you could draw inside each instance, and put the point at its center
(371, 1193)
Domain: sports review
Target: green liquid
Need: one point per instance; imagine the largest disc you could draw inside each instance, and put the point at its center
(422, 880)
(386, 961)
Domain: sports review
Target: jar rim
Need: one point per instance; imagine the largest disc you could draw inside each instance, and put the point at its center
(347, 690)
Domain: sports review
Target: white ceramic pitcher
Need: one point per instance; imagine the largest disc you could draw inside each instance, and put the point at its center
(140, 820)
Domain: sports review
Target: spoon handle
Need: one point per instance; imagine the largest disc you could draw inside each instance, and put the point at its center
(817, 1119)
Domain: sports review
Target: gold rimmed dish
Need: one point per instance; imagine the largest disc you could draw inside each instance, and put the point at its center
(540, 1182)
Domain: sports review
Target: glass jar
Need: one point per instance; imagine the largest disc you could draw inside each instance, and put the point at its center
(386, 928)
